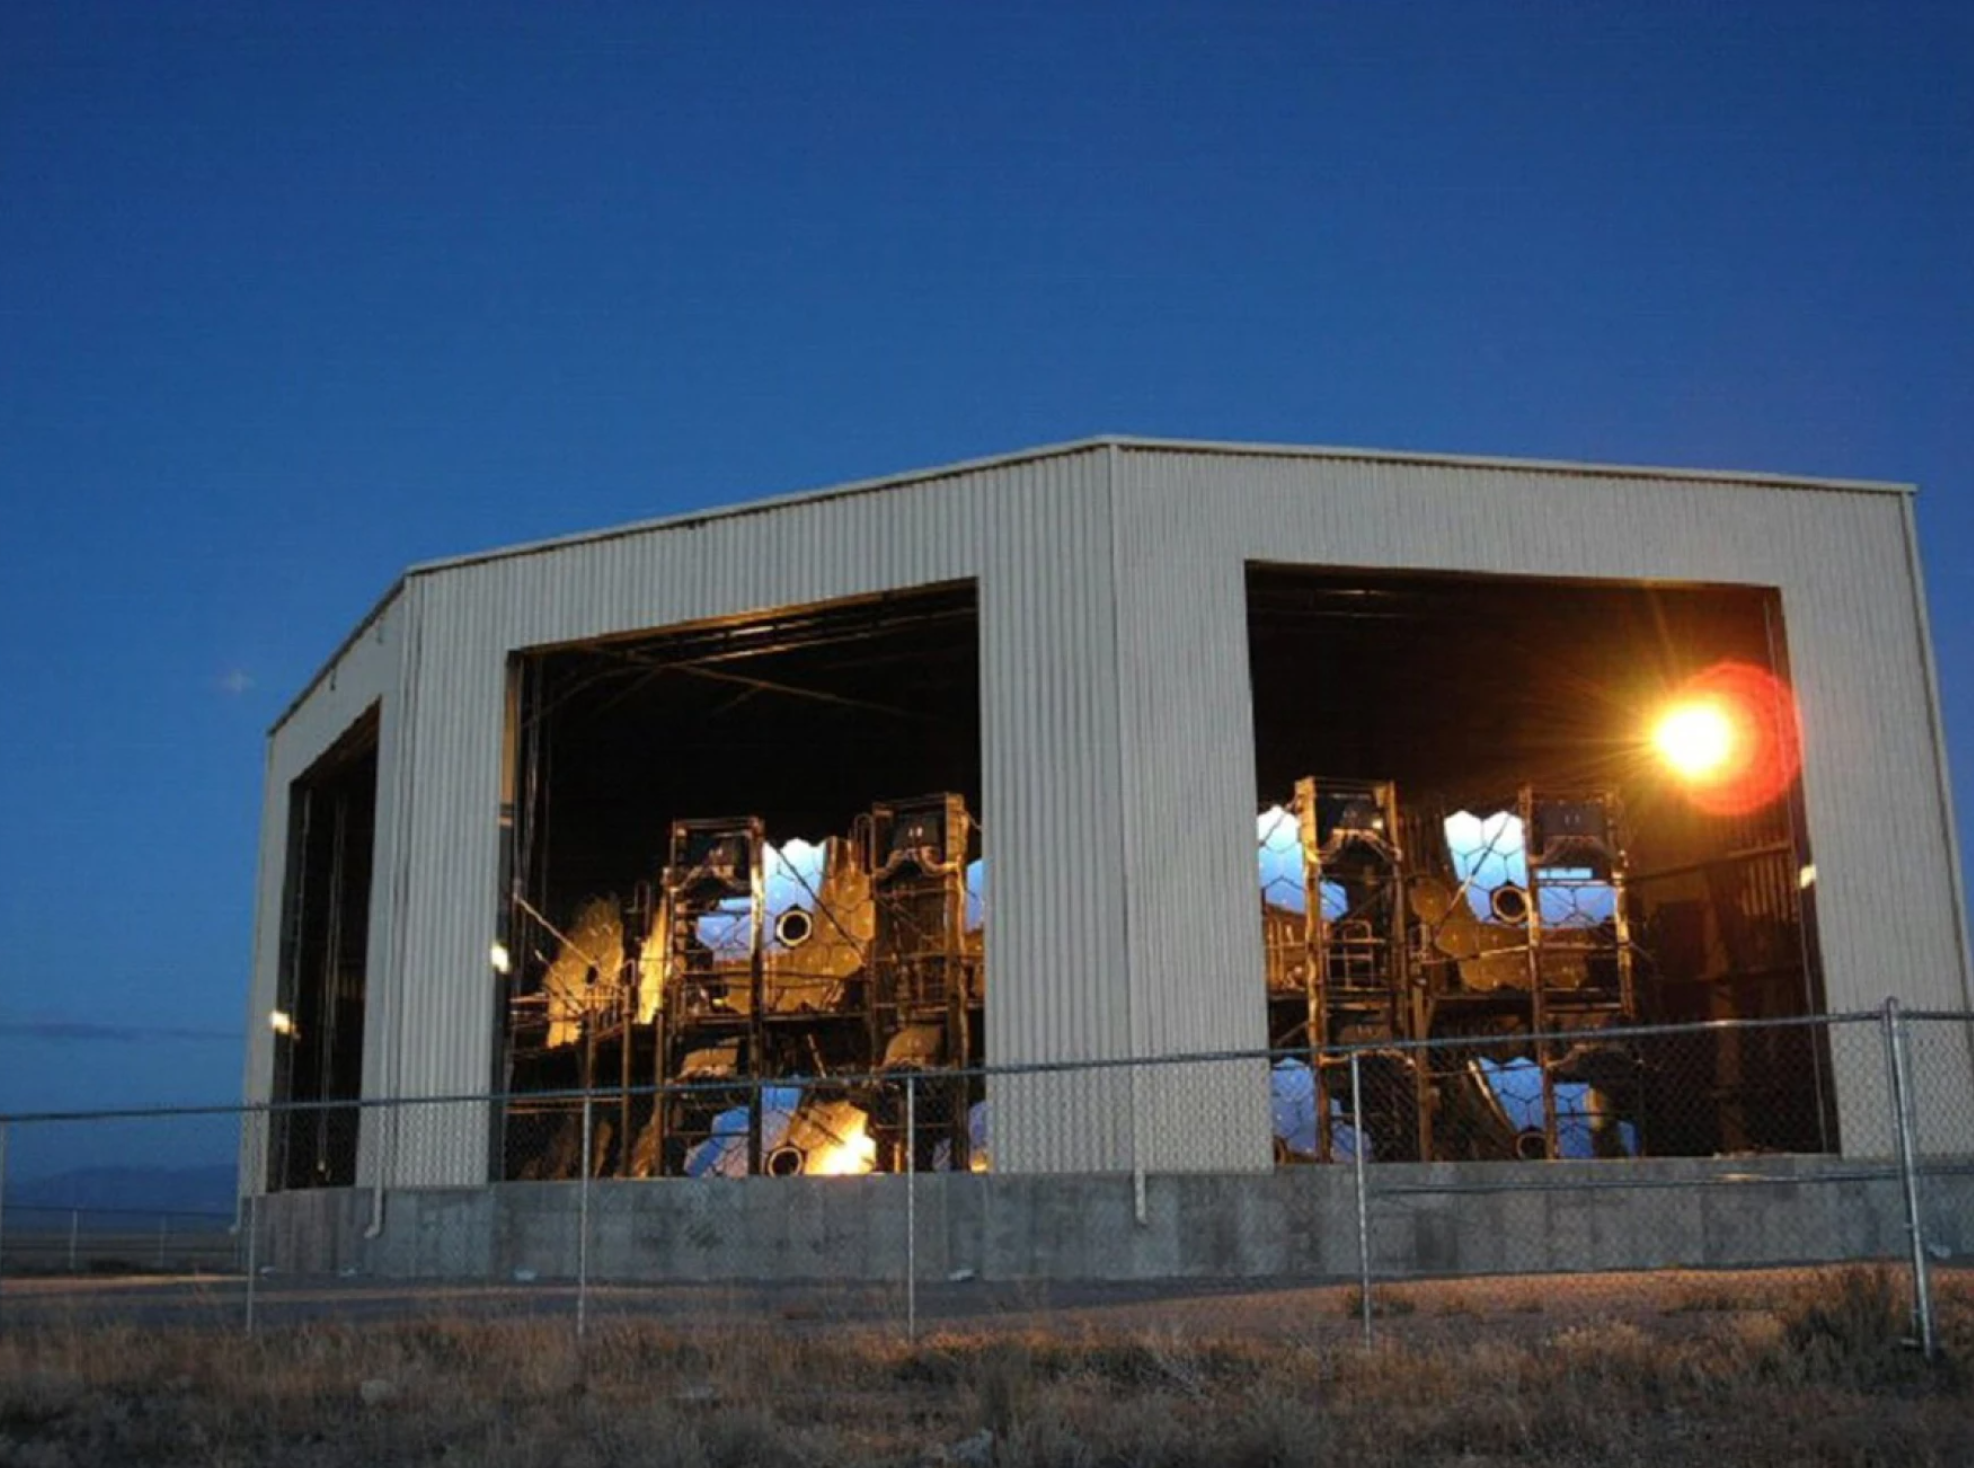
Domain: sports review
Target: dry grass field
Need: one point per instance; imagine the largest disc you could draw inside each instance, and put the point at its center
(1714, 1369)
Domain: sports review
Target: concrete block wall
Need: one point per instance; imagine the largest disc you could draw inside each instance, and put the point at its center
(1433, 1219)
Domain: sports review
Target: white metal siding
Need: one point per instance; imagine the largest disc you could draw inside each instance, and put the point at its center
(1838, 559)
(1886, 902)
(1116, 726)
(1188, 760)
(1035, 536)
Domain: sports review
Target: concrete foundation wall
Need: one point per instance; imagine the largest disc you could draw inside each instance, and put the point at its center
(1432, 1219)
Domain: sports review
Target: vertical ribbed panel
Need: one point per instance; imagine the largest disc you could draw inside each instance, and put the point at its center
(381, 970)
(1056, 959)
(1188, 764)
(443, 1000)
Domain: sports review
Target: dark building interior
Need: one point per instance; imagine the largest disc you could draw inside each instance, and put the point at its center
(1612, 892)
(318, 1041)
(746, 851)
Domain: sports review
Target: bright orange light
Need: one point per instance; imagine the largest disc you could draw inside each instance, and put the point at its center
(1696, 739)
(853, 1155)
(1730, 735)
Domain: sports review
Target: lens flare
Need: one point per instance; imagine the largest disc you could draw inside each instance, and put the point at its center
(1696, 739)
(1730, 735)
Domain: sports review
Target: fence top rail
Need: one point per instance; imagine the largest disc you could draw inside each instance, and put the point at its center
(1339, 1053)
(121, 1210)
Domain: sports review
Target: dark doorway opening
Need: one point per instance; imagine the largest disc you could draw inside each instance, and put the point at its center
(1468, 833)
(318, 1021)
(745, 852)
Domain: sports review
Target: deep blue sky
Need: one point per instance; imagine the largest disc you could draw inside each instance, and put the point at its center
(294, 295)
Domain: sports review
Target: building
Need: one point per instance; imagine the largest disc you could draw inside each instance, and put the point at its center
(1111, 655)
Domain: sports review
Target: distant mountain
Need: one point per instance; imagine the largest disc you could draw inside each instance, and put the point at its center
(151, 1190)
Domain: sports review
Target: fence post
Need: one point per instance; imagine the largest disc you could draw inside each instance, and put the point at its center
(582, 1228)
(164, 1227)
(75, 1228)
(1363, 1195)
(3, 1198)
(1922, 1281)
(911, 1207)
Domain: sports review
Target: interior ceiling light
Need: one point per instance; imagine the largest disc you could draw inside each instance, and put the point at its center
(1697, 739)
(1729, 734)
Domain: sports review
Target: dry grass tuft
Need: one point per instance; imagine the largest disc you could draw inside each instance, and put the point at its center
(1384, 1303)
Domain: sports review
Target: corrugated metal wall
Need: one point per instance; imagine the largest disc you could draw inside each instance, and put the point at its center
(1035, 535)
(1194, 913)
(1190, 520)
(1838, 559)
(1116, 719)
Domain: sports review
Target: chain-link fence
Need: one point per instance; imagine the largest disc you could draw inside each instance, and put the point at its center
(43, 1240)
(1739, 1145)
